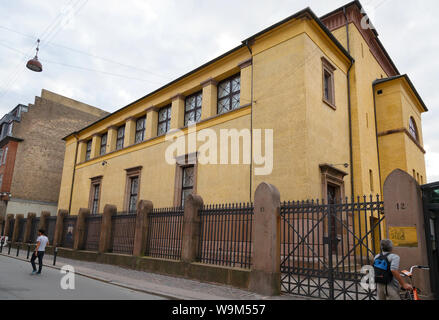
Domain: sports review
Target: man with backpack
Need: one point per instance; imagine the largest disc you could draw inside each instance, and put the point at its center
(387, 276)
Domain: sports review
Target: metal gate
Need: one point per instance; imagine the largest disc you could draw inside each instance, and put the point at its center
(430, 194)
(325, 246)
(69, 226)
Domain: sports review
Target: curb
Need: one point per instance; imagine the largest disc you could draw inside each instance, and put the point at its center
(102, 280)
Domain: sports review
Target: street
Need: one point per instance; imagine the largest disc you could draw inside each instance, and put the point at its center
(17, 283)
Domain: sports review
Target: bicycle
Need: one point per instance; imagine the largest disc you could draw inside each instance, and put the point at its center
(411, 295)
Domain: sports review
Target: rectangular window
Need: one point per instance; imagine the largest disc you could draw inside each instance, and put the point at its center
(103, 144)
(192, 109)
(5, 155)
(229, 92)
(134, 187)
(95, 199)
(140, 130)
(187, 183)
(164, 123)
(120, 137)
(328, 83)
(88, 150)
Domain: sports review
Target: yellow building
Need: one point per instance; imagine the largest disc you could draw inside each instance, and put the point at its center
(342, 118)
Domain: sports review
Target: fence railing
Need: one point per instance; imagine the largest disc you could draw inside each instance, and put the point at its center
(68, 235)
(165, 229)
(51, 223)
(34, 230)
(92, 232)
(21, 229)
(226, 235)
(123, 228)
(11, 228)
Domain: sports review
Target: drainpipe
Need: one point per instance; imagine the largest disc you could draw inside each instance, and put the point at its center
(376, 135)
(74, 172)
(251, 124)
(349, 104)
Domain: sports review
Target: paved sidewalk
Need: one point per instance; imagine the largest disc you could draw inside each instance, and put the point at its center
(166, 286)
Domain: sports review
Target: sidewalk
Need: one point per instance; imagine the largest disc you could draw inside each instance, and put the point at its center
(166, 286)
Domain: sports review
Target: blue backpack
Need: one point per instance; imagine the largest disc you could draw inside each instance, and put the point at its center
(381, 266)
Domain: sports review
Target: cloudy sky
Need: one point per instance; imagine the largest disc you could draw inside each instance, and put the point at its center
(110, 53)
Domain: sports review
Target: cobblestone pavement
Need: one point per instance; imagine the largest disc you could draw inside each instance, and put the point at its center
(170, 287)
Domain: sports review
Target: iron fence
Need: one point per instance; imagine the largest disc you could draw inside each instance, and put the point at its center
(50, 224)
(21, 230)
(11, 228)
(325, 246)
(68, 234)
(226, 235)
(92, 232)
(123, 228)
(165, 229)
(34, 230)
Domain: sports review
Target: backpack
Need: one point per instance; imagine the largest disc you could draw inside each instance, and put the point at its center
(381, 267)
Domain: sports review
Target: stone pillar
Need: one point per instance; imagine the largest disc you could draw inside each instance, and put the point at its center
(144, 207)
(43, 220)
(105, 239)
(79, 239)
(265, 272)
(246, 82)
(59, 226)
(16, 232)
(403, 209)
(191, 228)
(111, 139)
(9, 217)
(177, 112)
(95, 146)
(130, 131)
(210, 96)
(30, 217)
(152, 118)
(82, 150)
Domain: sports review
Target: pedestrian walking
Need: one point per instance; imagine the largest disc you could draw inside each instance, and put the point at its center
(42, 242)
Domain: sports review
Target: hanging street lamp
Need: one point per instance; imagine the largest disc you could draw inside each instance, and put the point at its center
(34, 64)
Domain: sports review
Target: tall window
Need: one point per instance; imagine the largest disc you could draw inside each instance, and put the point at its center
(413, 129)
(88, 151)
(140, 130)
(103, 144)
(120, 137)
(164, 123)
(134, 187)
(192, 110)
(95, 193)
(328, 83)
(187, 185)
(229, 92)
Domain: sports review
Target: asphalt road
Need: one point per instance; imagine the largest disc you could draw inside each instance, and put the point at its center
(17, 283)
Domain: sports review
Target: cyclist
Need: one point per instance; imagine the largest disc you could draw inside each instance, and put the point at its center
(391, 290)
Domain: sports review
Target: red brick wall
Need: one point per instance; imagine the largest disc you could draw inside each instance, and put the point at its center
(7, 169)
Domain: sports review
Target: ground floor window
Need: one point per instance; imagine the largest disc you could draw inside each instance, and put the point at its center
(95, 194)
(185, 178)
(132, 189)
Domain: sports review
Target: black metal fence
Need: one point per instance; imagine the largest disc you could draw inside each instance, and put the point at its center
(34, 230)
(226, 235)
(324, 247)
(92, 232)
(123, 228)
(11, 228)
(21, 230)
(69, 227)
(165, 229)
(50, 224)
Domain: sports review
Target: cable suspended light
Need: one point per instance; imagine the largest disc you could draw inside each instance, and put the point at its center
(34, 64)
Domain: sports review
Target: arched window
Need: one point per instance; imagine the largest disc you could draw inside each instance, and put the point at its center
(413, 129)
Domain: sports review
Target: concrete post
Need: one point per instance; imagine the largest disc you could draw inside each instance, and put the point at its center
(105, 238)
(404, 214)
(265, 273)
(59, 226)
(30, 217)
(9, 217)
(191, 228)
(79, 239)
(43, 220)
(144, 207)
(16, 232)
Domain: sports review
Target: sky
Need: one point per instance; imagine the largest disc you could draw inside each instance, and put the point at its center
(113, 52)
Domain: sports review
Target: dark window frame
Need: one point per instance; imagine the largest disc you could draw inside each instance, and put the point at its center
(413, 129)
(132, 173)
(140, 131)
(120, 140)
(166, 121)
(88, 150)
(183, 187)
(231, 94)
(195, 109)
(328, 83)
(95, 195)
(103, 146)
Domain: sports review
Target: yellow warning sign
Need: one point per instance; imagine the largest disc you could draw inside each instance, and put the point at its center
(403, 236)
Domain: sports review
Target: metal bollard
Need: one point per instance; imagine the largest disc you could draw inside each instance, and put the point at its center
(28, 251)
(55, 253)
(1, 246)
(9, 247)
(18, 249)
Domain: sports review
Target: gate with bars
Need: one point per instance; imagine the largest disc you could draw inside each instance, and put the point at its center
(325, 246)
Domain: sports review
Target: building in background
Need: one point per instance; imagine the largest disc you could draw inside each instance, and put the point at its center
(342, 115)
(32, 151)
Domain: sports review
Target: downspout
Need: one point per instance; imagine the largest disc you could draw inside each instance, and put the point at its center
(376, 135)
(74, 173)
(349, 105)
(251, 125)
